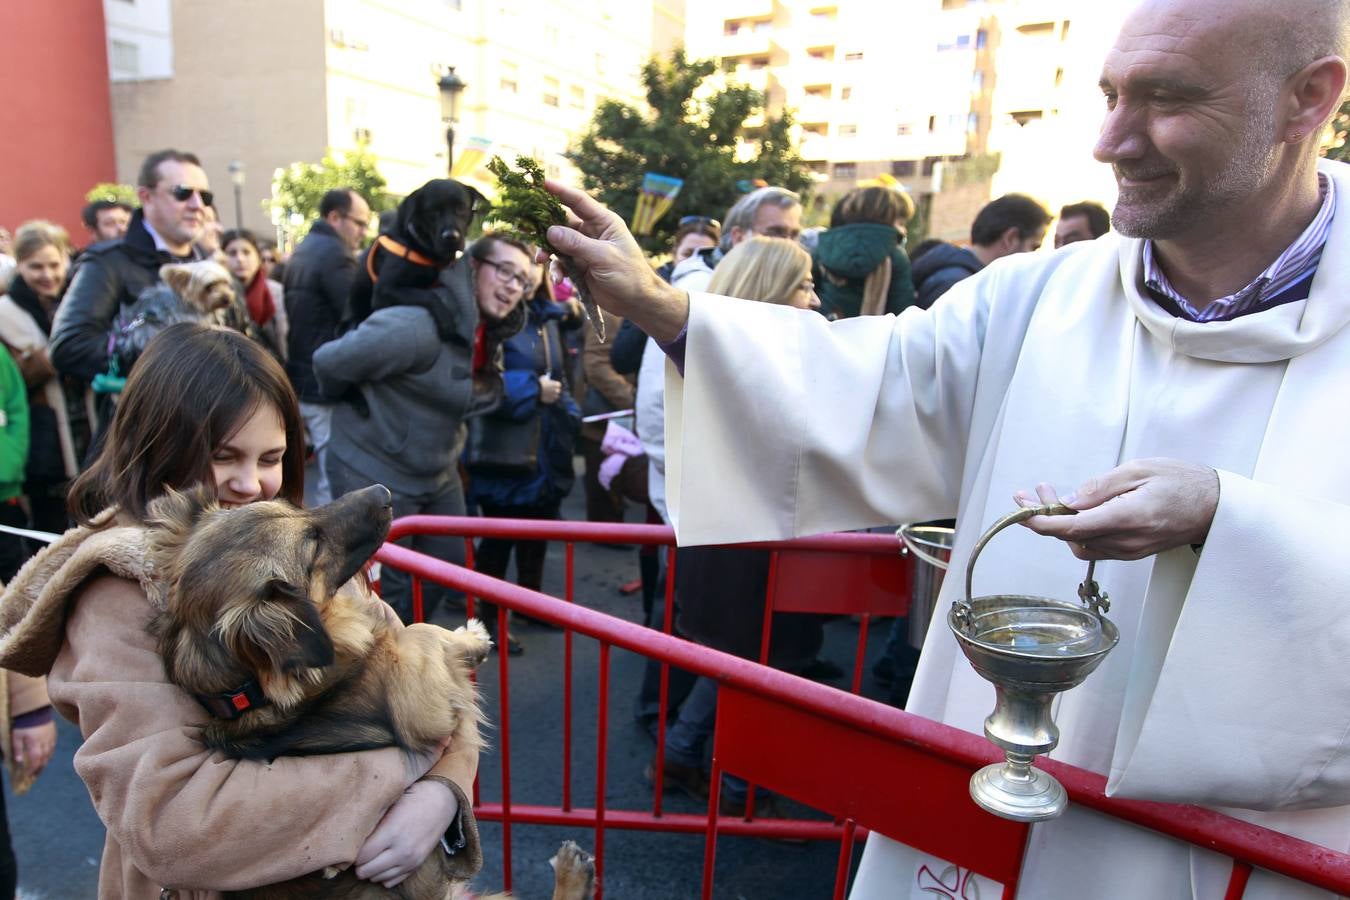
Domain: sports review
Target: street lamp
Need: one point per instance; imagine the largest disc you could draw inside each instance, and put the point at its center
(451, 86)
(236, 168)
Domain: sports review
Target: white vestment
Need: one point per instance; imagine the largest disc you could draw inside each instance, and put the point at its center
(1229, 687)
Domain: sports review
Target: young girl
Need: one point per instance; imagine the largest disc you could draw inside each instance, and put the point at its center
(203, 405)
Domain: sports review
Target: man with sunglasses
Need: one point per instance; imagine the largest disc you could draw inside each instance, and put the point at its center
(174, 195)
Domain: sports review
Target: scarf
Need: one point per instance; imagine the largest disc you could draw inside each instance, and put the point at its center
(261, 306)
(28, 301)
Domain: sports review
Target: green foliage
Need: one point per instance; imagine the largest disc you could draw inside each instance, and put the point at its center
(1339, 148)
(298, 188)
(686, 133)
(523, 205)
(111, 190)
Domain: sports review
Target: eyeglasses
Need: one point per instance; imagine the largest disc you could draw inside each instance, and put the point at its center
(183, 193)
(508, 274)
(363, 224)
(699, 220)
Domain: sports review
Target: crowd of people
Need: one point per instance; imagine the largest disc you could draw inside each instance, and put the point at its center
(1182, 371)
(474, 399)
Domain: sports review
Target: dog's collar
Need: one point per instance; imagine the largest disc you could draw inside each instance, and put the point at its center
(397, 249)
(233, 704)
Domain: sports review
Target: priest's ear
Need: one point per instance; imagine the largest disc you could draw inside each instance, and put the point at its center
(1310, 97)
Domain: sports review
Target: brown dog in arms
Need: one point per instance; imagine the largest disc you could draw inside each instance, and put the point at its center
(264, 625)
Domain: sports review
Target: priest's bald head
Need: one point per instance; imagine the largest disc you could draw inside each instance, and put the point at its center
(1214, 110)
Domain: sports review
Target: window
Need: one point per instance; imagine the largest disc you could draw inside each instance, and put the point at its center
(977, 82)
(848, 130)
(855, 56)
(361, 136)
(577, 96)
(903, 129)
(932, 124)
(903, 168)
(981, 39)
(509, 81)
(846, 93)
(551, 89)
(759, 62)
(816, 128)
(1064, 32)
(972, 123)
(817, 166)
(929, 162)
(1037, 29)
(124, 59)
(845, 170)
(731, 27)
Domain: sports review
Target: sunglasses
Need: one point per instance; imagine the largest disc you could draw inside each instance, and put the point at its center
(699, 220)
(183, 193)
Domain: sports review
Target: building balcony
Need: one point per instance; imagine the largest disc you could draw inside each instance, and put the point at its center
(751, 77)
(812, 108)
(746, 9)
(747, 42)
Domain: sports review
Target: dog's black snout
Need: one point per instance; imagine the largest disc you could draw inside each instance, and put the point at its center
(382, 493)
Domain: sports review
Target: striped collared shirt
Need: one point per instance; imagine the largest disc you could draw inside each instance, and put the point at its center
(1296, 264)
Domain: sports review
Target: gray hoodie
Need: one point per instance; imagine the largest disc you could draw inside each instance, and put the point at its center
(418, 389)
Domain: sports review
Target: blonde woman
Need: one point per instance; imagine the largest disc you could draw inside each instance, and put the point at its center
(720, 591)
(768, 269)
(42, 252)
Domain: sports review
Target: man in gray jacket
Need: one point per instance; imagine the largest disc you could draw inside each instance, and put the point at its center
(406, 384)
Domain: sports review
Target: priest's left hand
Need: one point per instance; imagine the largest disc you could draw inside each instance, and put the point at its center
(1137, 509)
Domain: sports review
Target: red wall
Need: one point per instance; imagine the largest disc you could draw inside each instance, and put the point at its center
(56, 136)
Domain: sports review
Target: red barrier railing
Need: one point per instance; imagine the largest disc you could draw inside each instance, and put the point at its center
(759, 707)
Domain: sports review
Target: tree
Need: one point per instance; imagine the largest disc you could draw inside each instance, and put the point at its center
(686, 133)
(111, 190)
(1339, 148)
(298, 188)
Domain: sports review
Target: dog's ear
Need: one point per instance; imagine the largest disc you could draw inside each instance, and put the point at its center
(177, 276)
(478, 204)
(179, 510)
(277, 633)
(172, 518)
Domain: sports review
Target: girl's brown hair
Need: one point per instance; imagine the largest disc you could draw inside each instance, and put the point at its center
(189, 392)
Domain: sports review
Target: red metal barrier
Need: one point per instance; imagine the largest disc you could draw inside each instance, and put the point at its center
(760, 707)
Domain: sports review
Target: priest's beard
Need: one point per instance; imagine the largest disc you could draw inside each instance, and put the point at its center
(1194, 204)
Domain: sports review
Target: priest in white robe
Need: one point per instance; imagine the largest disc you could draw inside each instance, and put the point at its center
(1184, 384)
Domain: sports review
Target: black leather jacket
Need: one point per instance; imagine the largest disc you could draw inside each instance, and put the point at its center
(318, 280)
(108, 275)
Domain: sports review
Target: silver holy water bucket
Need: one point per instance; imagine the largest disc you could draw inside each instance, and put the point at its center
(1030, 649)
(931, 547)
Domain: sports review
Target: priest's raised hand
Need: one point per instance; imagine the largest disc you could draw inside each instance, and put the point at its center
(617, 273)
(1137, 509)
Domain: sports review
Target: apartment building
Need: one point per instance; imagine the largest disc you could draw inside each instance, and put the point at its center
(926, 91)
(271, 82)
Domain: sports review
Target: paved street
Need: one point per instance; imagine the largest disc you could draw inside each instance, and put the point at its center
(58, 838)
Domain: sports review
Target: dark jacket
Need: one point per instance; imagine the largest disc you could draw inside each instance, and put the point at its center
(940, 268)
(719, 593)
(625, 353)
(318, 279)
(108, 276)
(416, 388)
(525, 359)
(846, 255)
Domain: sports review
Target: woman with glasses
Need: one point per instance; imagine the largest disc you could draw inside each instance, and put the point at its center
(519, 456)
(404, 385)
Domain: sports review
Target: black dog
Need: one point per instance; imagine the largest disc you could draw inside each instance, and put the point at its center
(404, 262)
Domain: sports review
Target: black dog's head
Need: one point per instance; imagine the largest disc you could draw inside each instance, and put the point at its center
(435, 218)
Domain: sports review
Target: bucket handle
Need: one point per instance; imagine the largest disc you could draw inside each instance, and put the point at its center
(1089, 592)
(913, 547)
